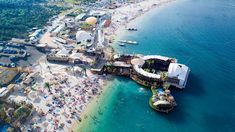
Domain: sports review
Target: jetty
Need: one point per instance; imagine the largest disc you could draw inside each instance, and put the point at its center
(148, 70)
(153, 71)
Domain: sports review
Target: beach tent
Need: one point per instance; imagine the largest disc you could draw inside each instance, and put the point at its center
(91, 20)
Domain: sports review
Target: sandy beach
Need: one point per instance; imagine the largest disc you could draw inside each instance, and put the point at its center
(92, 107)
(60, 104)
(64, 95)
(125, 16)
(117, 29)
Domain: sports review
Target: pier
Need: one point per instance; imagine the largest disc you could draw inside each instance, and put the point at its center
(148, 70)
(152, 71)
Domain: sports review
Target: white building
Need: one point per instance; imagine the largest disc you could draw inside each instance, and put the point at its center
(83, 37)
(177, 75)
(58, 29)
(100, 36)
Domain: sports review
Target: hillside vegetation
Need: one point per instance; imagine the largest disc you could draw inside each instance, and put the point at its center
(18, 16)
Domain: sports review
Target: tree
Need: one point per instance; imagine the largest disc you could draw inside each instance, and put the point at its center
(3, 114)
(19, 16)
(166, 86)
(86, 26)
(163, 76)
(48, 86)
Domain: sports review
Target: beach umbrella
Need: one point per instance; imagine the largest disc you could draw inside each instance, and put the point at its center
(32, 95)
(91, 20)
(45, 124)
(167, 91)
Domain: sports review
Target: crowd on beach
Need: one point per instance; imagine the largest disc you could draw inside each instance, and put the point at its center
(123, 15)
(60, 96)
(61, 93)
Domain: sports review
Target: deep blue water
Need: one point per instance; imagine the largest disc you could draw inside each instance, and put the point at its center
(200, 34)
(3, 127)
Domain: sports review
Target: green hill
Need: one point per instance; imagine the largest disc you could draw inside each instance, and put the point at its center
(18, 16)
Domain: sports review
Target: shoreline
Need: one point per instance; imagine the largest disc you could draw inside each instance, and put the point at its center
(40, 97)
(118, 26)
(118, 32)
(91, 106)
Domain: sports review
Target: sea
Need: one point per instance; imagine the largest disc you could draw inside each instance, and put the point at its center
(200, 34)
(3, 127)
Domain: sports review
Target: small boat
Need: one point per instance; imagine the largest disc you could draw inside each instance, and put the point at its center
(132, 29)
(132, 42)
(122, 44)
(122, 41)
(127, 42)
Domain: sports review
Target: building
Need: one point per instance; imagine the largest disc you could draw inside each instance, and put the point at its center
(81, 17)
(150, 70)
(106, 23)
(100, 37)
(69, 22)
(35, 34)
(177, 75)
(83, 37)
(5, 91)
(60, 40)
(57, 30)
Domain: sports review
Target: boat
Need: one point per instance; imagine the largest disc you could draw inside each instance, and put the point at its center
(162, 100)
(127, 42)
(122, 41)
(132, 29)
(121, 44)
(132, 42)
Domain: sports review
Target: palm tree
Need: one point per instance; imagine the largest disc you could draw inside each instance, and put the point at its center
(47, 85)
(2, 113)
(84, 71)
(166, 86)
(163, 76)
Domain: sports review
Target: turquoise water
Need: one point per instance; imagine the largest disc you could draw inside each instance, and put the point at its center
(199, 33)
